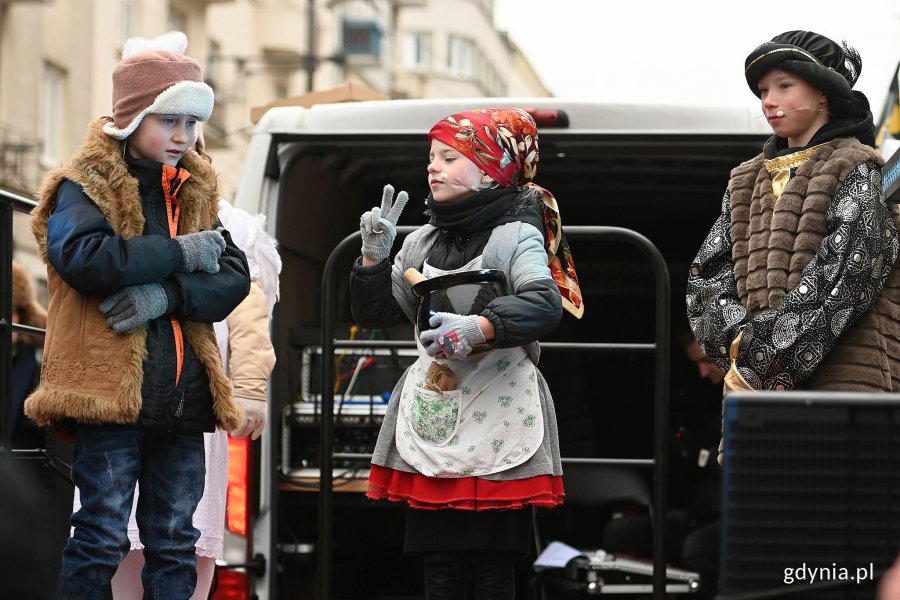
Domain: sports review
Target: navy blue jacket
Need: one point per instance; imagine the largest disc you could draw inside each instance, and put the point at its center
(84, 249)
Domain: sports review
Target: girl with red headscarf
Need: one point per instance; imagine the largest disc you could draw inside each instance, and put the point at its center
(471, 461)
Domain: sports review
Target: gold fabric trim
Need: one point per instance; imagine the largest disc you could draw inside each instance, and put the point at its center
(793, 49)
(779, 180)
(792, 160)
(780, 168)
(733, 379)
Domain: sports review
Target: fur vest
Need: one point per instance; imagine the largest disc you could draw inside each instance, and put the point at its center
(91, 373)
(773, 241)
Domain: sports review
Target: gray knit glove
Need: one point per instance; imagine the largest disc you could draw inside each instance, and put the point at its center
(134, 305)
(201, 251)
(454, 335)
(379, 225)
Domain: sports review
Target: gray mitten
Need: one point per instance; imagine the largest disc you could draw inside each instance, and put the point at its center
(454, 335)
(379, 225)
(134, 305)
(201, 251)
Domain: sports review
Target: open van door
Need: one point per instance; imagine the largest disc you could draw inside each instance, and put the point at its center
(660, 171)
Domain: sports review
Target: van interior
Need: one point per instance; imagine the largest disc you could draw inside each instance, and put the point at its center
(667, 187)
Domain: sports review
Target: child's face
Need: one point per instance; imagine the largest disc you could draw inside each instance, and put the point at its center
(451, 176)
(163, 138)
(794, 108)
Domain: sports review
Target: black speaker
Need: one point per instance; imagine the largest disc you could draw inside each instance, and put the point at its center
(810, 493)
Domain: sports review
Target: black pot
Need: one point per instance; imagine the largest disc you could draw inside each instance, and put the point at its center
(463, 293)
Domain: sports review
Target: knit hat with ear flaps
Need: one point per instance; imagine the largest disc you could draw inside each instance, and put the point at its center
(154, 76)
(824, 64)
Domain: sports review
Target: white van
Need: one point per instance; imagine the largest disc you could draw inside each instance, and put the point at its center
(660, 171)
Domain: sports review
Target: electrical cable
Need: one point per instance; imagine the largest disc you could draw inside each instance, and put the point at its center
(362, 363)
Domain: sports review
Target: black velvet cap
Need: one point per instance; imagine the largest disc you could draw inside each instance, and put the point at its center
(821, 62)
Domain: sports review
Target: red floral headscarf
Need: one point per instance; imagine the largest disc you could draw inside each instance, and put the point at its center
(503, 142)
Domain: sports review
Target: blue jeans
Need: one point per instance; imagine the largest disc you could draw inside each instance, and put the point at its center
(107, 461)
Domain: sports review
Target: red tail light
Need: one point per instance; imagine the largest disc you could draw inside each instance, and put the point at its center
(231, 585)
(238, 501)
(547, 117)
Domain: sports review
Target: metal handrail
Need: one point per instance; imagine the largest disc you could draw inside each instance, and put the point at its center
(581, 346)
(330, 281)
(9, 202)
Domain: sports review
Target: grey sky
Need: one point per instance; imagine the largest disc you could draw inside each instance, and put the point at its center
(687, 52)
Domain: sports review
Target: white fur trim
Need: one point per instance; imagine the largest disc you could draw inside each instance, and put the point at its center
(193, 98)
(172, 41)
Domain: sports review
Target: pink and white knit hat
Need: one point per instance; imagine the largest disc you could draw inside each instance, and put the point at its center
(155, 76)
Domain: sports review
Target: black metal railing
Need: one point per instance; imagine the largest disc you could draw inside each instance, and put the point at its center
(332, 278)
(9, 203)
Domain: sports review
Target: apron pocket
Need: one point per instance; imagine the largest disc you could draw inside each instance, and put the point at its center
(434, 416)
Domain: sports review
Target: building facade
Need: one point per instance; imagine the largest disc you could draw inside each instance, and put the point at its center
(57, 56)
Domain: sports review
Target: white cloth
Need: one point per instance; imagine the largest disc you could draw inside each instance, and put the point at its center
(248, 233)
(490, 423)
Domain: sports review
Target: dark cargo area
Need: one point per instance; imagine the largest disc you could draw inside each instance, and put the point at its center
(665, 187)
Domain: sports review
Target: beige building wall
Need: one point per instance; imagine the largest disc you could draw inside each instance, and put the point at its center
(78, 42)
(523, 79)
(31, 46)
(493, 69)
(57, 57)
(257, 50)
(56, 62)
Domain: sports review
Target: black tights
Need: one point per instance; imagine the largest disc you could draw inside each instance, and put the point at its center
(491, 573)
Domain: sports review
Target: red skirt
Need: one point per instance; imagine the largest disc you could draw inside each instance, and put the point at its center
(463, 493)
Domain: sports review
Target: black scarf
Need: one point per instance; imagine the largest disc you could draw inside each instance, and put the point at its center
(487, 209)
(478, 210)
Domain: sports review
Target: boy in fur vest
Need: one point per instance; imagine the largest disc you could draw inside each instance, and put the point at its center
(138, 269)
(795, 287)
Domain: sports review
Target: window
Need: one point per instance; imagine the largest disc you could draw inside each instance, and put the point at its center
(466, 60)
(52, 90)
(494, 83)
(361, 37)
(461, 57)
(417, 51)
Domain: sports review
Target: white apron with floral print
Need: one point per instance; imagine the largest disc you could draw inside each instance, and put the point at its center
(491, 422)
